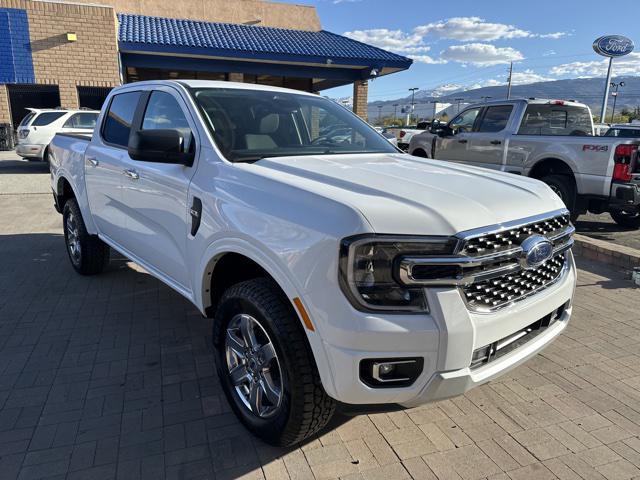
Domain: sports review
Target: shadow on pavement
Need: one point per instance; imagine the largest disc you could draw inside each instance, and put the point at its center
(125, 357)
(23, 166)
(613, 278)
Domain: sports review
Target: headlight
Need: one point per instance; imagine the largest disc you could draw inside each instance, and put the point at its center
(369, 270)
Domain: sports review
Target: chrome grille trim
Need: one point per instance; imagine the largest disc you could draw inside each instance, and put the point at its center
(467, 268)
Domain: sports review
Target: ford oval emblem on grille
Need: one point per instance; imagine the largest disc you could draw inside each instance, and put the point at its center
(536, 250)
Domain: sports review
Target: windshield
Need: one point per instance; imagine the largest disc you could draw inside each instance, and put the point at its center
(623, 132)
(248, 125)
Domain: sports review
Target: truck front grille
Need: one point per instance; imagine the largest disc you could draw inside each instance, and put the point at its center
(490, 265)
(499, 291)
(483, 244)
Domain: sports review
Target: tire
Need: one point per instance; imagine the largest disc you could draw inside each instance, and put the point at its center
(565, 188)
(297, 406)
(627, 220)
(88, 254)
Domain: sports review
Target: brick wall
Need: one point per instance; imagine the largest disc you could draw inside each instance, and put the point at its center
(360, 98)
(4, 105)
(90, 61)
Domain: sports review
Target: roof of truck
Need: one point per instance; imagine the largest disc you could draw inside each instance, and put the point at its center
(533, 101)
(218, 84)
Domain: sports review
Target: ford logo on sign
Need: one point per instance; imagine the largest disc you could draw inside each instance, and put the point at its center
(536, 250)
(613, 46)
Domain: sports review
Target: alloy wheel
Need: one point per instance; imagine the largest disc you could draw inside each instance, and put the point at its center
(73, 238)
(253, 366)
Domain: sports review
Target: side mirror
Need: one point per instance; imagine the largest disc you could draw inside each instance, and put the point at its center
(160, 146)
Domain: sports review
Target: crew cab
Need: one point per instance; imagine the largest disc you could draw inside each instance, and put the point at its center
(337, 272)
(39, 126)
(550, 140)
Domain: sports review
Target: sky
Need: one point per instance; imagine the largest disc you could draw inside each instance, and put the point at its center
(470, 43)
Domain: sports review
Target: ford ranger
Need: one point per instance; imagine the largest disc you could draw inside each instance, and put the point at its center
(337, 271)
(551, 140)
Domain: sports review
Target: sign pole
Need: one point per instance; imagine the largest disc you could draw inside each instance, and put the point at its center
(603, 114)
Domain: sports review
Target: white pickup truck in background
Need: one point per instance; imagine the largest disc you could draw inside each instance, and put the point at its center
(337, 271)
(551, 140)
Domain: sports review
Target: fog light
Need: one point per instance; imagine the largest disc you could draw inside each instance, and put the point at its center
(390, 372)
(481, 355)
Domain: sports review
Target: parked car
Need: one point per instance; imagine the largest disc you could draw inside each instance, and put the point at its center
(338, 274)
(406, 134)
(38, 128)
(624, 130)
(551, 140)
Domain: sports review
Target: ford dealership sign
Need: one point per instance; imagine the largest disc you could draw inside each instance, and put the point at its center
(613, 46)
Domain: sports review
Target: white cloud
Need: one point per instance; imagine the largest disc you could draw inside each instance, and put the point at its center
(395, 40)
(471, 28)
(481, 54)
(409, 44)
(468, 29)
(627, 65)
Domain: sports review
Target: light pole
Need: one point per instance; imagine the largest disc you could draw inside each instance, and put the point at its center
(615, 96)
(435, 107)
(413, 96)
(458, 100)
(379, 111)
(395, 112)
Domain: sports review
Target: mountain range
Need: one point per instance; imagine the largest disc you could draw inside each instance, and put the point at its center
(585, 90)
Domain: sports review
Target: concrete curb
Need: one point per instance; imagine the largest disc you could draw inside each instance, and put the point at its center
(606, 252)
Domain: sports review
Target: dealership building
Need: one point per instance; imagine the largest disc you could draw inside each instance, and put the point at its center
(71, 54)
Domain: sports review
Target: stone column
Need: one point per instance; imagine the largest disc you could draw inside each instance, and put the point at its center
(4, 105)
(360, 98)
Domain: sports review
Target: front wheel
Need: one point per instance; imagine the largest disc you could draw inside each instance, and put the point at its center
(627, 220)
(88, 254)
(265, 364)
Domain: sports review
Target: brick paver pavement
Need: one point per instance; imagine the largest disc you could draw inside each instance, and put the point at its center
(113, 377)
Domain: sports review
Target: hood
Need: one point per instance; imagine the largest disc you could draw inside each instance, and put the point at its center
(401, 194)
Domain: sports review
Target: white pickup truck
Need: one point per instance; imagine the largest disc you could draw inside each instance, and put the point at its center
(551, 140)
(337, 271)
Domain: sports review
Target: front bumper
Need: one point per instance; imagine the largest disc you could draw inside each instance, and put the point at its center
(30, 151)
(445, 339)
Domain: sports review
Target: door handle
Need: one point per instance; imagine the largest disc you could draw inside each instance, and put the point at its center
(462, 141)
(93, 161)
(132, 174)
(495, 142)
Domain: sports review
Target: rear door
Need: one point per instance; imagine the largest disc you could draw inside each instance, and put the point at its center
(105, 162)
(454, 147)
(155, 195)
(487, 143)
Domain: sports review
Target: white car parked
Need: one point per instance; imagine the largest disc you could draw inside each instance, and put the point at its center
(38, 128)
(337, 272)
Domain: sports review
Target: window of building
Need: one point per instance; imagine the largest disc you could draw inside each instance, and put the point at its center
(117, 125)
(495, 118)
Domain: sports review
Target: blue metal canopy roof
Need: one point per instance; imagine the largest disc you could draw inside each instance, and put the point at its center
(140, 33)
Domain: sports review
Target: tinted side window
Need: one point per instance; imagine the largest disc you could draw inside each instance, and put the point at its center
(464, 122)
(560, 120)
(117, 124)
(25, 121)
(81, 120)
(164, 112)
(496, 118)
(46, 118)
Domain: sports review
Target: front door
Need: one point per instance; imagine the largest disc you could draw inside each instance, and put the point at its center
(104, 165)
(487, 145)
(155, 195)
(453, 147)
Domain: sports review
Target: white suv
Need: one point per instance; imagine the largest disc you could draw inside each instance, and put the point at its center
(38, 128)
